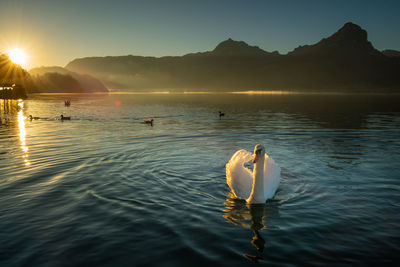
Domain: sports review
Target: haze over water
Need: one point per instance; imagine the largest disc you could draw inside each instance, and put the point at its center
(106, 189)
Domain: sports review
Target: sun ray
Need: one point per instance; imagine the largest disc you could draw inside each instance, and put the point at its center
(17, 56)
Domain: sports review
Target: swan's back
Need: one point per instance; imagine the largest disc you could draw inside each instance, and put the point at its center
(272, 177)
(238, 177)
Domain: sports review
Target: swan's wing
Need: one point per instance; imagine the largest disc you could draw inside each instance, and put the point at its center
(238, 177)
(272, 177)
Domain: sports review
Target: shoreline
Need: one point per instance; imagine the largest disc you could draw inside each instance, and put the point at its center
(250, 92)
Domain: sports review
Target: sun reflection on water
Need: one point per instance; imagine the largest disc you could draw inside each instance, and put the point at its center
(22, 132)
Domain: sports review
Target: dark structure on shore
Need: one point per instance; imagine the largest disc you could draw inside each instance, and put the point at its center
(12, 92)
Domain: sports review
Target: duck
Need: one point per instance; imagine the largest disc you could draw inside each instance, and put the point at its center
(149, 121)
(33, 118)
(255, 187)
(221, 114)
(65, 118)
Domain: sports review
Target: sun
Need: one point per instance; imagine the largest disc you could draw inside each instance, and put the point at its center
(17, 56)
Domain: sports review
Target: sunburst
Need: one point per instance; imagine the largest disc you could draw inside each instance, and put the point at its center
(17, 56)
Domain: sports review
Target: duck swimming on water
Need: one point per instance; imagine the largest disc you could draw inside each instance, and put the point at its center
(149, 121)
(65, 118)
(33, 118)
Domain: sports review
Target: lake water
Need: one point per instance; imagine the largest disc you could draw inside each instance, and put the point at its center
(105, 189)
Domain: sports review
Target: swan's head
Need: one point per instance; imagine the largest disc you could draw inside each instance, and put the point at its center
(259, 151)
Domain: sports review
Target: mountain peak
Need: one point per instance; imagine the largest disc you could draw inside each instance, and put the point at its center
(350, 39)
(350, 32)
(350, 26)
(231, 47)
(391, 53)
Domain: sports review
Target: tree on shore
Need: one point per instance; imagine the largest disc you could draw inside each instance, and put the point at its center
(13, 79)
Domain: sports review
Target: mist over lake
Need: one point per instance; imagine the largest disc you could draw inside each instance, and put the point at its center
(106, 189)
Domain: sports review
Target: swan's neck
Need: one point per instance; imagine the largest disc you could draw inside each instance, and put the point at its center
(257, 191)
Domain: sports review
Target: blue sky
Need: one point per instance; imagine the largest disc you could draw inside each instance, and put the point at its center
(56, 32)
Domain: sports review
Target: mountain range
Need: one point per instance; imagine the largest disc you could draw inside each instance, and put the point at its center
(345, 62)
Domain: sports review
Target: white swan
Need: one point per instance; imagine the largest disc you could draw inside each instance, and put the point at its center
(256, 187)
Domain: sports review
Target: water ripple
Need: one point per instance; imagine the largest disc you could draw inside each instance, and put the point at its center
(127, 193)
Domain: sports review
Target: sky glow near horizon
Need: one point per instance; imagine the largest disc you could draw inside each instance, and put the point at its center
(56, 32)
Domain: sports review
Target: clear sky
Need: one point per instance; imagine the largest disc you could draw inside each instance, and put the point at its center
(54, 32)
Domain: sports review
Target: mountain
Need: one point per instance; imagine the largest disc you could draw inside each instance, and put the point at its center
(60, 80)
(351, 40)
(45, 79)
(391, 53)
(345, 61)
(235, 48)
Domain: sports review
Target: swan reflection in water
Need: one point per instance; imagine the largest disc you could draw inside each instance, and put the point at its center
(255, 217)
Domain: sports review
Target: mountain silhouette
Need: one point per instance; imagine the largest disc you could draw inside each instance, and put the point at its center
(391, 53)
(345, 61)
(351, 40)
(44, 79)
(237, 48)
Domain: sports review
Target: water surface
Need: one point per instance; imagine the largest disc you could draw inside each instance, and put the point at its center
(106, 189)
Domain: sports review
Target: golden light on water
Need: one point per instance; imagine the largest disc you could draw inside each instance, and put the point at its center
(18, 56)
(22, 133)
(264, 92)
